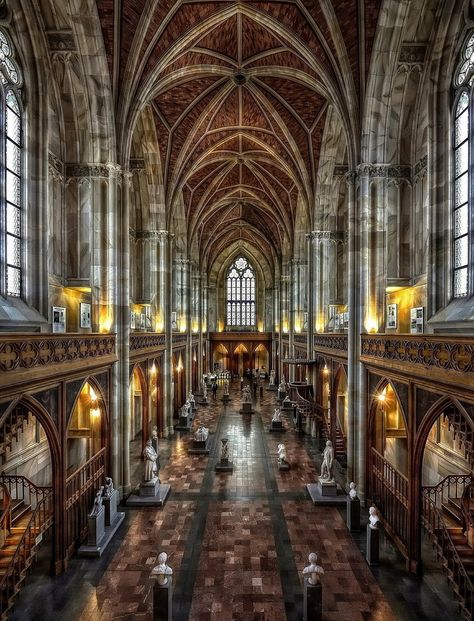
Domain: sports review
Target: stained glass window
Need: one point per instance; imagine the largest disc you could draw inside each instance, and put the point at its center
(462, 147)
(241, 294)
(12, 203)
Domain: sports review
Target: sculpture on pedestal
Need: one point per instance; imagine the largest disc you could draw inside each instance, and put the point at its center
(162, 570)
(272, 377)
(154, 433)
(281, 454)
(224, 449)
(204, 388)
(191, 398)
(374, 518)
(246, 395)
(352, 491)
(226, 387)
(313, 570)
(97, 506)
(276, 418)
(109, 487)
(282, 386)
(327, 473)
(201, 434)
(151, 457)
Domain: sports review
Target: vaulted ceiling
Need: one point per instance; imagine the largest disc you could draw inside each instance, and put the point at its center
(240, 93)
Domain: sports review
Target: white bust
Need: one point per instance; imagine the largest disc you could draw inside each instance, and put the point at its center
(162, 570)
(352, 491)
(281, 453)
(154, 433)
(312, 569)
(374, 518)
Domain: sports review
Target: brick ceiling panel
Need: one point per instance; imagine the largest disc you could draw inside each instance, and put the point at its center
(196, 59)
(222, 39)
(228, 113)
(173, 102)
(256, 38)
(252, 113)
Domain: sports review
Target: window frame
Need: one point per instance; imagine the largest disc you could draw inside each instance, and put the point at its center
(241, 296)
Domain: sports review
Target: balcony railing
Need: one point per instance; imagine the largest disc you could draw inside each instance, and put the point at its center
(24, 352)
(335, 344)
(150, 341)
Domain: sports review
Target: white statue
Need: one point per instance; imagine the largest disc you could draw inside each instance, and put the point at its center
(204, 387)
(186, 409)
(313, 569)
(272, 377)
(97, 506)
(328, 462)
(282, 386)
(281, 454)
(224, 449)
(276, 418)
(191, 398)
(226, 387)
(374, 518)
(162, 570)
(201, 434)
(151, 456)
(246, 395)
(154, 433)
(109, 487)
(352, 491)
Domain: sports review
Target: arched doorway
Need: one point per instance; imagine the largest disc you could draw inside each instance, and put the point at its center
(388, 461)
(155, 380)
(139, 421)
(220, 358)
(86, 440)
(339, 414)
(261, 358)
(240, 360)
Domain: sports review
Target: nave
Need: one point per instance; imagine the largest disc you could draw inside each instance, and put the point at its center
(237, 542)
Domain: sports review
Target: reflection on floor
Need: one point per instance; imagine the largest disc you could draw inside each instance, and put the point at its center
(237, 543)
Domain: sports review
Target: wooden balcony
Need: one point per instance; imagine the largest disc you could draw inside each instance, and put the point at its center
(144, 343)
(26, 358)
(334, 345)
(443, 359)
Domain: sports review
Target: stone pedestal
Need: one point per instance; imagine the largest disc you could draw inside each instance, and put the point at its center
(277, 425)
(246, 408)
(110, 505)
(312, 601)
(96, 524)
(315, 491)
(151, 493)
(199, 447)
(372, 550)
(281, 394)
(353, 514)
(224, 465)
(162, 600)
(287, 406)
(328, 488)
(184, 423)
(284, 465)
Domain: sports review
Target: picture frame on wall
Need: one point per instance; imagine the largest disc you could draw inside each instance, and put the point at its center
(392, 316)
(417, 320)
(85, 315)
(133, 322)
(58, 315)
(174, 321)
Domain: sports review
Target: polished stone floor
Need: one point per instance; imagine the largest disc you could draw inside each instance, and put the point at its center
(237, 543)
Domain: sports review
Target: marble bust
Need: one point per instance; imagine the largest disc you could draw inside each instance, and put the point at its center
(201, 434)
(150, 456)
(374, 518)
(313, 570)
(109, 487)
(97, 506)
(281, 454)
(154, 433)
(276, 415)
(328, 462)
(162, 570)
(352, 491)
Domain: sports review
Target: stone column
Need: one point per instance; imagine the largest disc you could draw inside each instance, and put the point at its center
(276, 323)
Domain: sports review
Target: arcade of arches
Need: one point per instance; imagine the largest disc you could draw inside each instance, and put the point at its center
(257, 191)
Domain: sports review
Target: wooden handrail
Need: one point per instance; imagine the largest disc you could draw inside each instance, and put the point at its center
(6, 516)
(40, 520)
(85, 464)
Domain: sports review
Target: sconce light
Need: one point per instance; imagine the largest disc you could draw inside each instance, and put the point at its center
(94, 403)
(153, 368)
(381, 397)
(325, 369)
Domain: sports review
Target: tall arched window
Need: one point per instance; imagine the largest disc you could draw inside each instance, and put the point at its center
(463, 154)
(11, 210)
(241, 294)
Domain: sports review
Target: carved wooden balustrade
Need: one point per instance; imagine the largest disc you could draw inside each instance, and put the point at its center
(448, 358)
(148, 343)
(389, 492)
(41, 519)
(432, 519)
(81, 488)
(331, 344)
(26, 356)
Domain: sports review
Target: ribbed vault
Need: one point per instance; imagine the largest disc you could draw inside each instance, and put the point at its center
(240, 94)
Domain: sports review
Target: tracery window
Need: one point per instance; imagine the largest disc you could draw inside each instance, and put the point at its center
(11, 210)
(241, 294)
(463, 145)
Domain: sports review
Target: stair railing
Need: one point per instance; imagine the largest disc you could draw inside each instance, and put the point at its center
(451, 486)
(467, 507)
(40, 521)
(21, 488)
(433, 522)
(6, 516)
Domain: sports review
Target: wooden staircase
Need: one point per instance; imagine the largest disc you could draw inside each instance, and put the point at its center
(26, 515)
(443, 521)
(10, 430)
